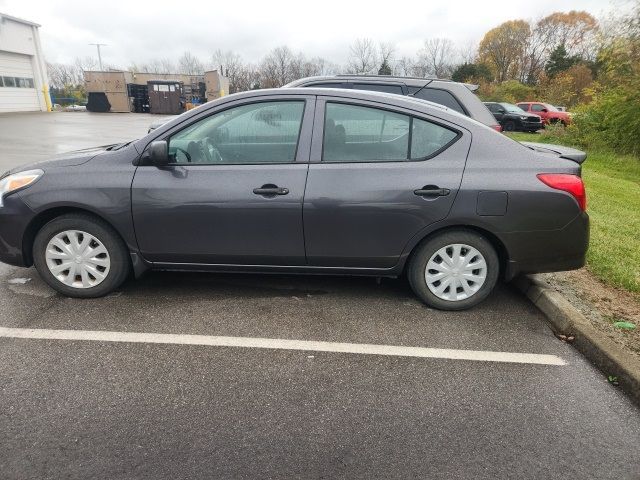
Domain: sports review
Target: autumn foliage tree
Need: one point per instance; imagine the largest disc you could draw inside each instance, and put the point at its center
(503, 48)
(519, 50)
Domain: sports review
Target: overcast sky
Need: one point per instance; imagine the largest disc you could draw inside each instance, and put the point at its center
(138, 30)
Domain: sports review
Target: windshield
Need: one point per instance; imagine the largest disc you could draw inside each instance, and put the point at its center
(513, 109)
(551, 108)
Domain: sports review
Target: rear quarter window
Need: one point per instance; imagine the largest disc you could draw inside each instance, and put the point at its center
(442, 97)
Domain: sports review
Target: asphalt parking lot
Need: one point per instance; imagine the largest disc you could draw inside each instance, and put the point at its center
(181, 375)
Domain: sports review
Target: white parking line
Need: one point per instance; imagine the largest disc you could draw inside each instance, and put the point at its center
(280, 344)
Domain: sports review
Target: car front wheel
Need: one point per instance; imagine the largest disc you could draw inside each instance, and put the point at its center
(509, 126)
(454, 270)
(80, 256)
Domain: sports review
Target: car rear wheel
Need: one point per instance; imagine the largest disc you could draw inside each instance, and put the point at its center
(454, 270)
(80, 256)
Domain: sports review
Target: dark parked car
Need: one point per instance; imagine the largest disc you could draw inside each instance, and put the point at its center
(305, 181)
(513, 118)
(454, 95)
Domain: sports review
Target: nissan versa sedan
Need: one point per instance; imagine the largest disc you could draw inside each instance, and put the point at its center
(303, 181)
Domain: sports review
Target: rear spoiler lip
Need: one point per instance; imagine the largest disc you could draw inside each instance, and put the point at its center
(567, 153)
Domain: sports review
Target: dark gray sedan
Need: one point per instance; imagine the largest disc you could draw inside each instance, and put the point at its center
(303, 181)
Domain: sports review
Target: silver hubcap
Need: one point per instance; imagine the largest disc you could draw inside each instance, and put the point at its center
(455, 272)
(77, 259)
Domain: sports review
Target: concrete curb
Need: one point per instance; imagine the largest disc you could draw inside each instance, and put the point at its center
(565, 319)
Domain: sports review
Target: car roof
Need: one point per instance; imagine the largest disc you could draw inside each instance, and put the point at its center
(409, 81)
(383, 97)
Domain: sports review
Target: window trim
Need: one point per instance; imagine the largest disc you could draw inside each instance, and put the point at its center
(166, 137)
(390, 110)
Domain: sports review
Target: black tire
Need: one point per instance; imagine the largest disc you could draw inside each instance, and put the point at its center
(120, 265)
(424, 251)
(509, 126)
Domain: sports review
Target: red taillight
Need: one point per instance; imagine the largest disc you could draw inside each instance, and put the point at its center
(497, 128)
(572, 184)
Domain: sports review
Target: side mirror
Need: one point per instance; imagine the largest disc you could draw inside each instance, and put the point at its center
(159, 152)
(544, 110)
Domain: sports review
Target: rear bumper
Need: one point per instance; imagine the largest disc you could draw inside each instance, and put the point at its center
(548, 251)
(14, 219)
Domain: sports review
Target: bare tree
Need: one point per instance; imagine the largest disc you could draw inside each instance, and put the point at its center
(363, 56)
(386, 52)
(278, 67)
(468, 53)
(437, 57)
(189, 64)
(404, 67)
(62, 75)
(155, 65)
(231, 66)
(86, 64)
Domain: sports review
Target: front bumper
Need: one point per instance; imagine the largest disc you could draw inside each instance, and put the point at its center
(548, 251)
(15, 217)
(531, 126)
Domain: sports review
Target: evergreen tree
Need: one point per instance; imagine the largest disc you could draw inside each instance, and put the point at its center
(471, 71)
(385, 69)
(559, 61)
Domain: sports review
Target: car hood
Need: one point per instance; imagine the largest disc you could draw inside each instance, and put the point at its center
(561, 151)
(67, 159)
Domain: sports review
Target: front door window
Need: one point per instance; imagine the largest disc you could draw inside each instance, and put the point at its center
(264, 132)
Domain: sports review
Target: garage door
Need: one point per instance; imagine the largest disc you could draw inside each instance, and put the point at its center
(17, 88)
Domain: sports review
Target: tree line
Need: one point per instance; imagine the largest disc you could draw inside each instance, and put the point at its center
(564, 58)
(527, 52)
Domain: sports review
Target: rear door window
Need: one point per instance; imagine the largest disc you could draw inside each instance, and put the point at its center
(441, 97)
(523, 106)
(363, 134)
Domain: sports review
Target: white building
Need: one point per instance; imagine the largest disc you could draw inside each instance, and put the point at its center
(23, 74)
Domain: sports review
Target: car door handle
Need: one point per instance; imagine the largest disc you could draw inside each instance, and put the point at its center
(270, 190)
(432, 191)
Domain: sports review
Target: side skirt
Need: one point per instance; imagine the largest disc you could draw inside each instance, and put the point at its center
(278, 269)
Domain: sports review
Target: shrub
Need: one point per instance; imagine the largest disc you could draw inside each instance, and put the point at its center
(510, 91)
(611, 121)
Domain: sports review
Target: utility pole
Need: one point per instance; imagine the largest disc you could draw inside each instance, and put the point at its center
(98, 45)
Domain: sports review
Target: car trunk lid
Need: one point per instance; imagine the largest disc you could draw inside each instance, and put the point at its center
(561, 151)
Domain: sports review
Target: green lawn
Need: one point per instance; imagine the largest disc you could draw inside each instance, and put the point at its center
(613, 203)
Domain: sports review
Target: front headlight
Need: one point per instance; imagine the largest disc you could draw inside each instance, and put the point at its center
(522, 117)
(18, 180)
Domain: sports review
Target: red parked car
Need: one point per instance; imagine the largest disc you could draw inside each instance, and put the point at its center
(549, 113)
